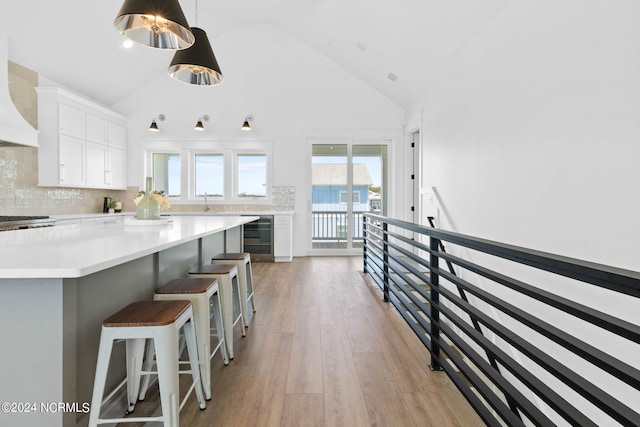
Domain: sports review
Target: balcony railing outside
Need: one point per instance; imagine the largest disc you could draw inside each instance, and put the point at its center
(550, 370)
(332, 225)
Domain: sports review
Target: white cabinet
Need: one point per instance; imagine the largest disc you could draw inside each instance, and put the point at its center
(70, 121)
(282, 238)
(117, 135)
(82, 144)
(95, 129)
(71, 164)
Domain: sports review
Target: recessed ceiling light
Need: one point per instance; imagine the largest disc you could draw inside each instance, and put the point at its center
(361, 47)
(392, 77)
(127, 44)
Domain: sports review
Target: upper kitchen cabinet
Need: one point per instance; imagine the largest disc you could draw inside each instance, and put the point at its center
(82, 144)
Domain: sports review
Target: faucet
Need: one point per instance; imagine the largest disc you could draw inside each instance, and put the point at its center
(206, 206)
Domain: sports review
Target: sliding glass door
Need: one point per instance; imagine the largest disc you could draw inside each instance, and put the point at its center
(346, 181)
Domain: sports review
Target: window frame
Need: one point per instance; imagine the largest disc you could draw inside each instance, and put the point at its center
(229, 149)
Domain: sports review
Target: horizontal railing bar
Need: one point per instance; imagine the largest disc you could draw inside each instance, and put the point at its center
(496, 403)
(617, 279)
(411, 321)
(588, 352)
(561, 406)
(525, 405)
(598, 397)
(481, 409)
(612, 324)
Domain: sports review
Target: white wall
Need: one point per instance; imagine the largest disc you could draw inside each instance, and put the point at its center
(286, 86)
(531, 136)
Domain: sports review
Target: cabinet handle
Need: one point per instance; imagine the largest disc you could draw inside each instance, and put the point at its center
(107, 177)
(61, 172)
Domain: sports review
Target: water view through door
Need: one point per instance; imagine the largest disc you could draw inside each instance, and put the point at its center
(347, 180)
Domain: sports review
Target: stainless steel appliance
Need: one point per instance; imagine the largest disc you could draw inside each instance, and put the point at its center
(8, 223)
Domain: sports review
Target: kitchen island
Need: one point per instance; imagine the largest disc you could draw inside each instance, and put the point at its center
(58, 283)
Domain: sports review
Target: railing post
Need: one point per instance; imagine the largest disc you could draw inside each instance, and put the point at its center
(364, 244)
(434, 245)
(385, 259)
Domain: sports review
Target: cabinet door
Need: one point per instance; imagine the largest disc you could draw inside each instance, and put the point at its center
(96, 165)
(71, 167)
(95, 129)
(117, 135)
(116, 168)
(282, 241)
(70, 121)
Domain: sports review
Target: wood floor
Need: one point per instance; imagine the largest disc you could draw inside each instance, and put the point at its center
(324, 350)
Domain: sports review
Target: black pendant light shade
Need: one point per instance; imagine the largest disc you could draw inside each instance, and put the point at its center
(196, 65)
(155, 23)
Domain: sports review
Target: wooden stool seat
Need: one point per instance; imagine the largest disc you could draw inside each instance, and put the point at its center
(186, 286)
(146, 313)
(232, 256)
(212, 269)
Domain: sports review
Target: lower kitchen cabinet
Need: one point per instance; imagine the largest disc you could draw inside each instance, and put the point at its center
(283, 238)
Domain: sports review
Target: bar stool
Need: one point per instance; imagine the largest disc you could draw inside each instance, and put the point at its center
(160, 321)
(204, 297)
(241, 260)
(227, 276)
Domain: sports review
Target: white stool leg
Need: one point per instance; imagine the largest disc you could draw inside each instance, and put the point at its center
(250, 290)
(166, 346)
(239, 295)
(135, 354)
(102, 367)
(226, 301)
(192, 349)
(202, 334)
(243, 293)
(148, 366)
(216, 314)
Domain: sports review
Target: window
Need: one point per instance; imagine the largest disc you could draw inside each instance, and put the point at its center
(252, 175)
(209, 175)
(166, 173)
(355, 194)
(226, 172)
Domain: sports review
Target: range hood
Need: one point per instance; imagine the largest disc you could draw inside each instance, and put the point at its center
(14, 129)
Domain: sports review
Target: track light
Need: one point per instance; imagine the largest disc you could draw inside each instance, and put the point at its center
(159, 24)
(199, 126)
(246, 126)
(154, 126)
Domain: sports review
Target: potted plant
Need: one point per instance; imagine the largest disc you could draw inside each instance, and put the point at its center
(112, 206)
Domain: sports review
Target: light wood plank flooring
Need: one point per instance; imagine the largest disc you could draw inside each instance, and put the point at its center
(324, 350)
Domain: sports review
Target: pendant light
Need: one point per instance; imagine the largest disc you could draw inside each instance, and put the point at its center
(196, 65)
(159, 24)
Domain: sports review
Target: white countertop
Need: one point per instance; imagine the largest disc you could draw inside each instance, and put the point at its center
(77, 250)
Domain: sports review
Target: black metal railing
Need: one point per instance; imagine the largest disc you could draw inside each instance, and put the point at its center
(521, 353)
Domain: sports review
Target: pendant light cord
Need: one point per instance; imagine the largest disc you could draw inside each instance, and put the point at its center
(196, 13)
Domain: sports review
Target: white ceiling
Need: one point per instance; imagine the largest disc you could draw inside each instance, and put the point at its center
(73, 41)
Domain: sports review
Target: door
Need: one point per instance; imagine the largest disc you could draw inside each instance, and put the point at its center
(347, 180)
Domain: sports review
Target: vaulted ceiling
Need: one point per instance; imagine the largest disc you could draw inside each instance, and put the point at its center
(397, 47)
